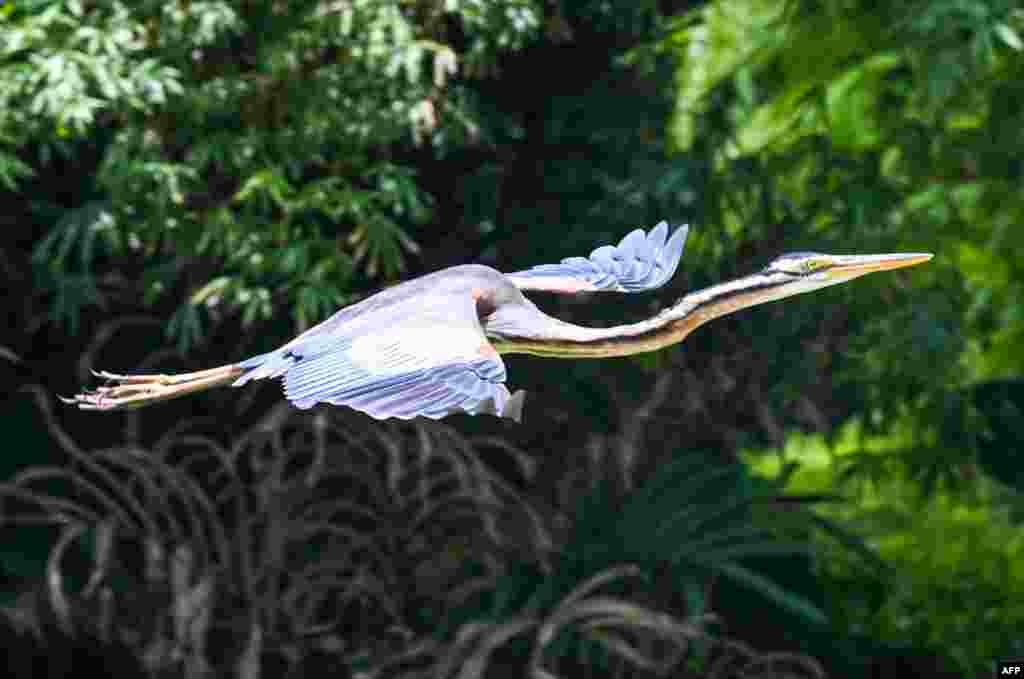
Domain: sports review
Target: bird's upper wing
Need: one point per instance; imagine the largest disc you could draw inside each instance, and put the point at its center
(405, 365)
(639, 262)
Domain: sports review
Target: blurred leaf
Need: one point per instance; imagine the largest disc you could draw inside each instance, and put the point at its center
(185, 327)
(1009, 36)
(852, 102)
(773, 592)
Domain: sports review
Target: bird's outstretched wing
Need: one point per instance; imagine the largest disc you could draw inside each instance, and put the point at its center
(416, 364)
(639, 262)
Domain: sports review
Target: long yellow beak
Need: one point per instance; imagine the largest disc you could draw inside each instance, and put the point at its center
(852, 266)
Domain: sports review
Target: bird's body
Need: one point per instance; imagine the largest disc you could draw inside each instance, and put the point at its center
(432, 346)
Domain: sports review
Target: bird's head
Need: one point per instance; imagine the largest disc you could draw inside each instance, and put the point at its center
(805, 271)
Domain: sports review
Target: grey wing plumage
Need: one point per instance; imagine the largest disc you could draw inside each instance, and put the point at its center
(639, 262)
(404, 367)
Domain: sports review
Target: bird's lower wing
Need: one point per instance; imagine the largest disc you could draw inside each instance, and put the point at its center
(404, 369)
(638, 263)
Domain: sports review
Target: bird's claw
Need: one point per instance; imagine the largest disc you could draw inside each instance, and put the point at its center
(127, 391)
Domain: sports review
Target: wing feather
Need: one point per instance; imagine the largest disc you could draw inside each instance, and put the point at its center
(638, 263)
(404, 366)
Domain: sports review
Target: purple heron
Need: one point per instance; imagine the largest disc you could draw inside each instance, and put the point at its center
(432, 346)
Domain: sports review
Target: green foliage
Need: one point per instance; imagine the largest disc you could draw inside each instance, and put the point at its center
(259, 140)
(217, 164)
(898, 123)
(953, 557)
(882, 127)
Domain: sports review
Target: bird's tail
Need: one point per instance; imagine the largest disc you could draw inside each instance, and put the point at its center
(125, 392)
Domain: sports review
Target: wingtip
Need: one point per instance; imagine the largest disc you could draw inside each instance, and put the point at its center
(672, 254)
(681, 232)
(657, 236)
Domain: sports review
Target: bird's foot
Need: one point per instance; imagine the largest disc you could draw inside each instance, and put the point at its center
(122, 391)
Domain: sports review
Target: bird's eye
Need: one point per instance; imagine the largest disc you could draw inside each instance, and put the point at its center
(798, 263)
(790, 266)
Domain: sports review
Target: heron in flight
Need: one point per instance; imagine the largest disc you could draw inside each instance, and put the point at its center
(432, 346)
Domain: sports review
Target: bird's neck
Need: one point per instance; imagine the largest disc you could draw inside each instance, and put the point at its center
(528, 330)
